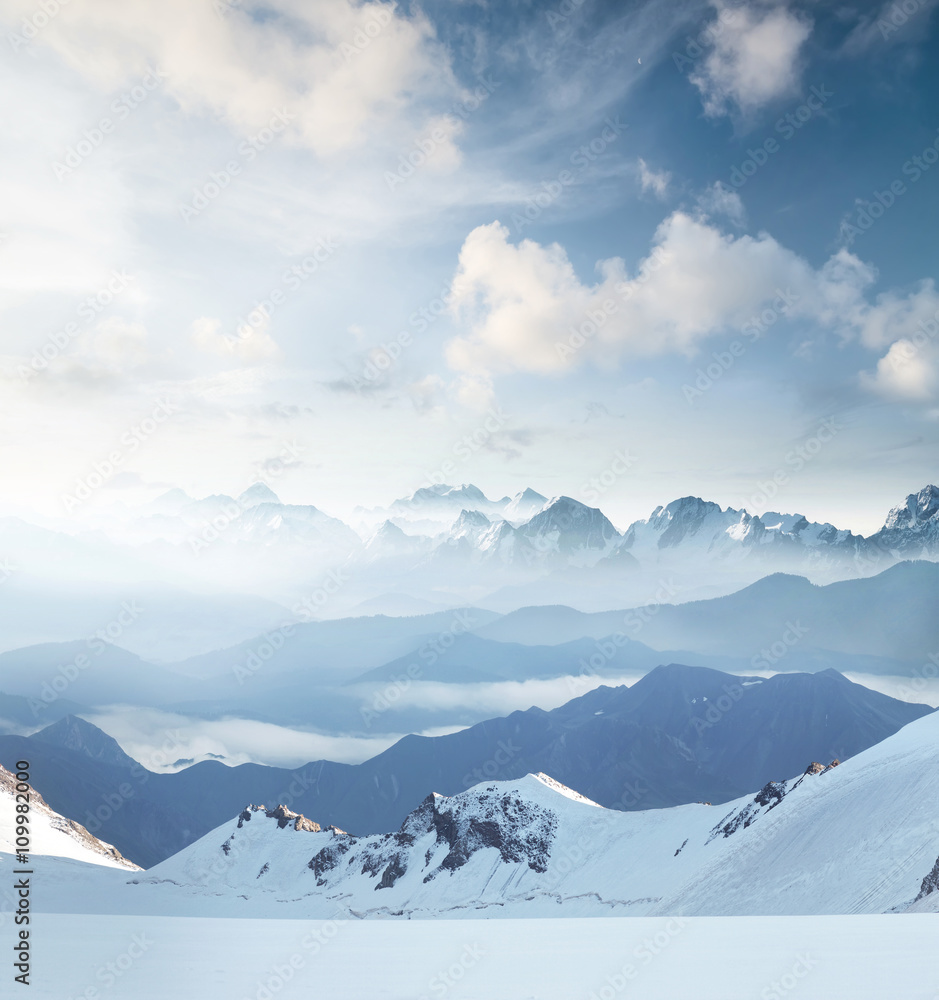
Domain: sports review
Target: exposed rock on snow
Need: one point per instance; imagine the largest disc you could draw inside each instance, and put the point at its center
(930, 883)
(50, 833)
(855, 839)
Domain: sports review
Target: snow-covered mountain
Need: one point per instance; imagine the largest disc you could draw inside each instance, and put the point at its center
(563, 533)
(51, 834)
(859, 837)
(443, 546)
(691, 528)
(388, 541)
(523, 506)
(471, 525)
(572, 529)
(678, 735)
(912, 528)
(416, 543)
(440, 503)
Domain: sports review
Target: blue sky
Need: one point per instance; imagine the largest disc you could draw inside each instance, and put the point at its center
(497, 243)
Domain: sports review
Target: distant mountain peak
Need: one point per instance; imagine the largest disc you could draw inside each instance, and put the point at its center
(568, 507)
(445, 490)
(257, 493)
(169, 503)
(524, 505)
(575, 525)
(684, 506)
(74, 733)
(389, 530)
(174, 495)
(471, 519)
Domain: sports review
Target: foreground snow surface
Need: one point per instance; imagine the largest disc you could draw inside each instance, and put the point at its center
(655, 958)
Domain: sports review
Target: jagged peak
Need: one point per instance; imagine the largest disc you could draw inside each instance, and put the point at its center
(685, 505)
(285, 817)
(915, 510)
(567, 503)
(499, 529)
(471, 518)
(445, 490)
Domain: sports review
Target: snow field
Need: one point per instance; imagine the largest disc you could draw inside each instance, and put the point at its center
(695, 958)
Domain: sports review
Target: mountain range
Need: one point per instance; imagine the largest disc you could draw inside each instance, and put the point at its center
(853, 837)
(680, 734)
(444, 546)
(859, 836)
(376, 675)
(880, 623)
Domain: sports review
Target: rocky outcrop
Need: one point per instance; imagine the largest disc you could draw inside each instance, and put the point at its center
(285, 817)
(768, 797)
(520, 830)
(930, 883)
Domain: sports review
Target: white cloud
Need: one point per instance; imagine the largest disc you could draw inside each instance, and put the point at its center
(895, 316)
(906, 371)
(522, 295)
(119, 343)
(654, 181)
(438, 143)
(250, 343)
(501, 697)
(918, 690)
(525, 309)
(755, 56)
(156, 738)
(336, 66)
(908, 325)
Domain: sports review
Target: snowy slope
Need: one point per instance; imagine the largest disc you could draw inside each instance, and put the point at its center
(856, 838)
(50, 833)
(744, 958)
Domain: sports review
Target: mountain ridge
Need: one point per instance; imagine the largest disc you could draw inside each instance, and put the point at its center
(842, 837)
(681, 735)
